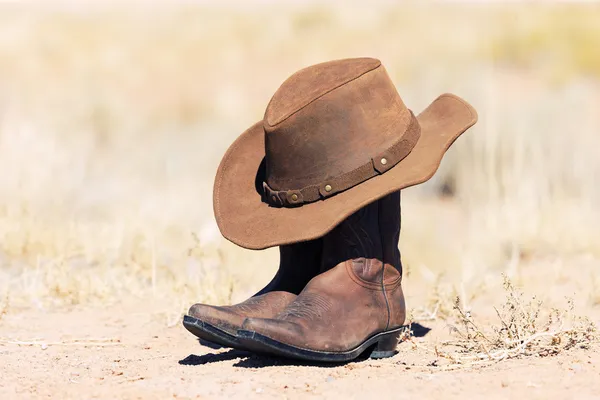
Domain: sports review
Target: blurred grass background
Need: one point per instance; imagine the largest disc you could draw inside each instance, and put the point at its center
(114, 117)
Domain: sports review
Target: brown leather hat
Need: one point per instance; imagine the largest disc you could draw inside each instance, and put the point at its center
(335, 137)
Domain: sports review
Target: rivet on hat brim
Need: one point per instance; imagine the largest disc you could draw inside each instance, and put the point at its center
(383, 161)
(328, 188)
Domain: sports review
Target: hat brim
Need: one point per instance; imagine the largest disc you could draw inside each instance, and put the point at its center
(244, 219)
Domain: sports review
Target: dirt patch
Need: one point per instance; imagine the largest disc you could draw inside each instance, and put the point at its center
(131, 350)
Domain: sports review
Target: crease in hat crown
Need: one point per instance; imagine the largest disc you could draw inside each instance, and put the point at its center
(312, 82)
(329, 119)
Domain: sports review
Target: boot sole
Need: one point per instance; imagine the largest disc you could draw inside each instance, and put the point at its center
(215, 337)
(385, 346)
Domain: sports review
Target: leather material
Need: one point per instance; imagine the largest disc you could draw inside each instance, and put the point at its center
(318, 149)
(360, 292)
(299, 263)
(334, 132)
(375, 166)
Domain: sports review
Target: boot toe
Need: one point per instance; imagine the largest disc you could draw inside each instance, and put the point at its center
(198, 310)
(220, 317)
(282, 331)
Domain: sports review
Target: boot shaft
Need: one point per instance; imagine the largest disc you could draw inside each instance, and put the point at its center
(369, 237)
(357, 237)
(390, 221)
(372, 233)
(298, 264)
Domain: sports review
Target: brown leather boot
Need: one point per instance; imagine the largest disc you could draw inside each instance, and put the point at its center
(347, 309)
(299, 263)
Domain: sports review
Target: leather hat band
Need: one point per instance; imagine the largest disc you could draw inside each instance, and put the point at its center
(376, 166)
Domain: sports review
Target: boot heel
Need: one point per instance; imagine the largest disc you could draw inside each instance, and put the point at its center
(386, 347)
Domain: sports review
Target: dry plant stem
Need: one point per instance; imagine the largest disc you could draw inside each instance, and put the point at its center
(521, 333)
(5, 307)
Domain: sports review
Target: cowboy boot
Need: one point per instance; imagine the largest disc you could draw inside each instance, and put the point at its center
(299, 263)
(350, 307)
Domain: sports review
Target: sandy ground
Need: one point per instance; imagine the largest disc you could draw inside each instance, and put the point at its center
(128, 351)
(136, 347)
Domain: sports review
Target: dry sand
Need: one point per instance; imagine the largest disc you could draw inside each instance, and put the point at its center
(134, 350)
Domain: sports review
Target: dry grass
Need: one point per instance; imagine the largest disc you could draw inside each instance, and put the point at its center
(522, 329)
(4, 306)
(574, 39)
(113, 120)
(595, 291)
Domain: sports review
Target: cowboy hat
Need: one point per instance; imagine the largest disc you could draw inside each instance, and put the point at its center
(335, 137)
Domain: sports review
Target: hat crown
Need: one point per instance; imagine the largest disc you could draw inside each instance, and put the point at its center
(328, 119)
(308, 84)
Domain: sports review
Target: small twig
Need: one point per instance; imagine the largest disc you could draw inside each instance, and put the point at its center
(5, 306)
(427, 315)
(136, 378)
